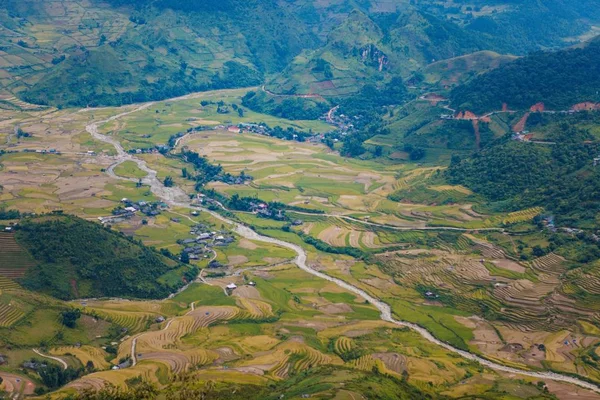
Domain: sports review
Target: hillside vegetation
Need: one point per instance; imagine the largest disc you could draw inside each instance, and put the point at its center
(560, 177)
(75, 259)
(559, 80)
(116, 52)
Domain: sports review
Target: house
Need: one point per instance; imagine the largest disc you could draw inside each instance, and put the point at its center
(195, 213)
(204, 236)
(231, 286)
(8, 229)
(131, 210)
(124, 200)
(160, 319)
(251, 283)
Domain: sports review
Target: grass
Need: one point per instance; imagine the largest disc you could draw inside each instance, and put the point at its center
(204, 295)
(129, 169)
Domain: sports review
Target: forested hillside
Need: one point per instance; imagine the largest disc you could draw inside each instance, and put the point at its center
(561, 178)
(80, 259)
(109, 55)
(558, 79)
(115, 52)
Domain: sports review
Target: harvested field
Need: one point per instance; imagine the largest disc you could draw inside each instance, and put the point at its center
(17, 385)
(84, 354)
(392, 361)
(509, 265)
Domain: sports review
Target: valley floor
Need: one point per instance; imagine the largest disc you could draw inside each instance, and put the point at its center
(409, 306)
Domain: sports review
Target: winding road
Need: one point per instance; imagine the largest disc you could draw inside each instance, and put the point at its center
(176, 197)
(59, 360)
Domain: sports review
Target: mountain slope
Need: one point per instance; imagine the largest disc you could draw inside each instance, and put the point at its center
(561, 178)
(372, 49)
(95, 53)
(559, 80)
(79, 259)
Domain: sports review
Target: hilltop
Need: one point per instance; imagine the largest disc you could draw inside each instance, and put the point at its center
(74, 258)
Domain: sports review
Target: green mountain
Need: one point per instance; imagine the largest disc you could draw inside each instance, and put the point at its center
(373, 49)
(100, 54)
(75, 258)
(116, 52)
(557, 171)
(558, 79)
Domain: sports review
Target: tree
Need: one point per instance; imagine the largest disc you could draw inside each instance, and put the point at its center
(89, 367)
(168, 182)
(184, 172)
(538, 251)
(185, 258)
(241, 112)
(69, 317)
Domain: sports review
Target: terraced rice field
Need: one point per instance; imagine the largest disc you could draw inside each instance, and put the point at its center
(84, 354)
(9, 315)
(367, 363)
(8, 284)
(134, 321)
(343, 345)
(14, 260)
(515, 217)
(163, 346)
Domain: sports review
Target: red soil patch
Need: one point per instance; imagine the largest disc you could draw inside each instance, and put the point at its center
(477, 134)
(520, 126)
(434, 98)
(466, 115)
(587, 106)
(74, 287)
(539, 107)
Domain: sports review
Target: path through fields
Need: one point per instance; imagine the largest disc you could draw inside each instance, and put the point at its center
(176, 197)
(59, 360)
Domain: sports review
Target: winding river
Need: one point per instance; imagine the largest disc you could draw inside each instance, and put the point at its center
(176, 197)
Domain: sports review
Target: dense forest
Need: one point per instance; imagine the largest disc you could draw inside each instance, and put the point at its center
(69, 266)
(559, 80)
(516, 175)
(285, 107)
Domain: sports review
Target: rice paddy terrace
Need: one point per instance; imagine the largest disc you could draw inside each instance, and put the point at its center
(462, 279)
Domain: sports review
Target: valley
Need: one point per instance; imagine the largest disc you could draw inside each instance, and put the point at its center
(354, 212)
(275, 199)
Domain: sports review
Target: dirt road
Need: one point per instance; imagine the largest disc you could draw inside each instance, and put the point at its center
(59, 360)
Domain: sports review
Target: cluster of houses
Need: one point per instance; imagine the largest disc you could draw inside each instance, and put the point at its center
(523, 136)
(129, 209)
(151, 209)
(198, 247)
(232, 286)
(342, 122)
(161, 148)
(263, 210)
